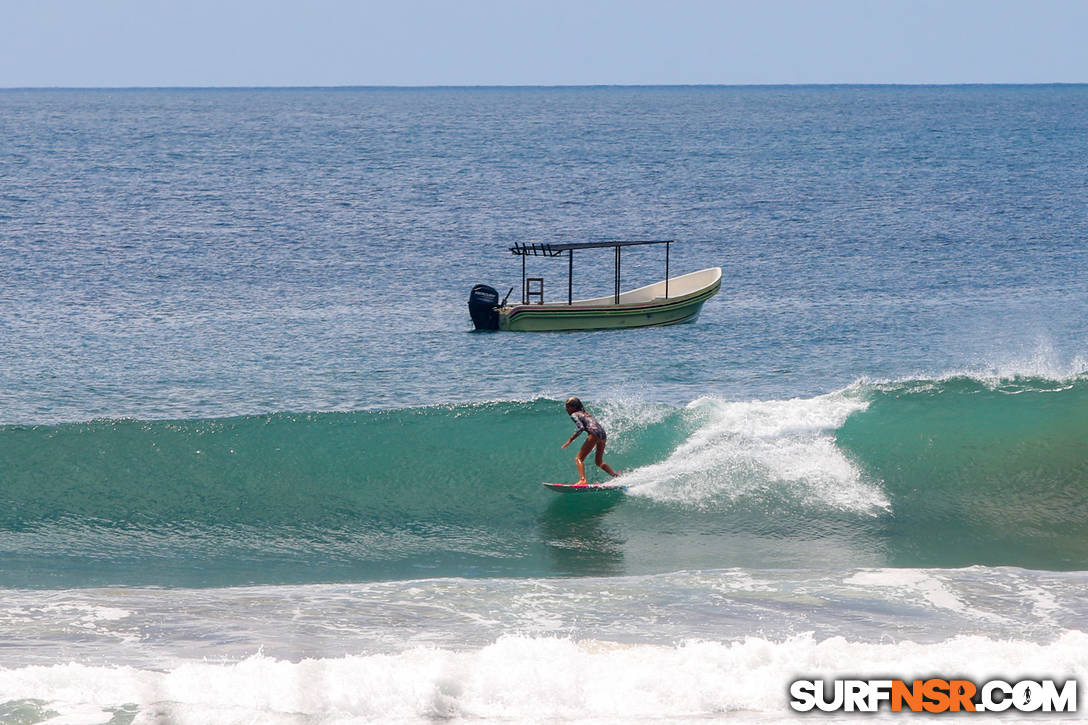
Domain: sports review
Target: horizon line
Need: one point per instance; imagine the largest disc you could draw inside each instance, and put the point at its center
(451, 86)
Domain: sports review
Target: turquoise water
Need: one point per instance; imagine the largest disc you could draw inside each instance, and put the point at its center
(247, 431)
(918, 474)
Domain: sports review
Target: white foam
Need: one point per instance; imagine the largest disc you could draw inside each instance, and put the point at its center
(912, 582)
(524, 678)
(1042, 363)
(87, 615)
(73, 616)
(739, 448)
(1043, 603)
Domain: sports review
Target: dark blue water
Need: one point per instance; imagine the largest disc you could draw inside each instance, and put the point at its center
(191, 253)
(242, 410)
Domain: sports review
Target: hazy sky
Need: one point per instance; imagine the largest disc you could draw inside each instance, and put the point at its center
(487, 42)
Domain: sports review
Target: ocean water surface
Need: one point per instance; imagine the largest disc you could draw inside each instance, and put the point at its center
(256, 465)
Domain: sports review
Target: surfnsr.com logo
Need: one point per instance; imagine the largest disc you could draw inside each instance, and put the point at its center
(933, 695)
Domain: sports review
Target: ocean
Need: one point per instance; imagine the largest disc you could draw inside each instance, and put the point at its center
(256, 465)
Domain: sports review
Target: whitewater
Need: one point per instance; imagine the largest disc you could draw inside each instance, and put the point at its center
(674, 647)
(821, 576)
(255, 465)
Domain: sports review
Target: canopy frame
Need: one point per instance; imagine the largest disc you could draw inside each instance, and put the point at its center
(556, 250)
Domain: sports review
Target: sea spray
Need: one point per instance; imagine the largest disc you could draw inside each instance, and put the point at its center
(950, 472)
(976, 469)
(744, 449)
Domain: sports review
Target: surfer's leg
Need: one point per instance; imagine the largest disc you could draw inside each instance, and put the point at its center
(580, 459)
(600, 460)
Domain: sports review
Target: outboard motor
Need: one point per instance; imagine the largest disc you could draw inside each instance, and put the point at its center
(483, 305)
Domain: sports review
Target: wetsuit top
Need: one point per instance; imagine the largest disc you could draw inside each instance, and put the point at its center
(588, 423)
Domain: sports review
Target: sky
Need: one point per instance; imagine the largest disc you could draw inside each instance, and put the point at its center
(120, 43)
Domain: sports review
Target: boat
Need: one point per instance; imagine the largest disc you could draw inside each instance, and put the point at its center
(671, 301)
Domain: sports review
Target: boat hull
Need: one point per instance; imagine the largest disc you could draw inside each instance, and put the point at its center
(558, 317)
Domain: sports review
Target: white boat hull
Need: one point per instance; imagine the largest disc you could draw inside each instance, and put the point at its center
(643, 307)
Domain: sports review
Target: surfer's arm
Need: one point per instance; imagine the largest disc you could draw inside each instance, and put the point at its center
(571, 439)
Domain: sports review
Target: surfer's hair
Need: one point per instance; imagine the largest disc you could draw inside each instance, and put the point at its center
(573, 404)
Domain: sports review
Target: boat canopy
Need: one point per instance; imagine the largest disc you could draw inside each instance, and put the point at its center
(556, 250)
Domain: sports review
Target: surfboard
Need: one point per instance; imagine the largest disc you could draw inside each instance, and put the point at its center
(574, 488)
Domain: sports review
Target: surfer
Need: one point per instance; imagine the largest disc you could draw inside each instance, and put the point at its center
(595, 438)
